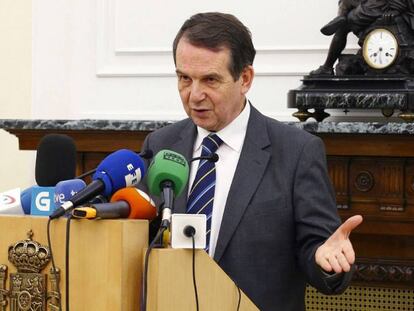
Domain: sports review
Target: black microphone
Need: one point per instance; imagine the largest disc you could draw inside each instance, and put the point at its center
(113, 210)
(55, 160)
(213, 157)
(146, 154)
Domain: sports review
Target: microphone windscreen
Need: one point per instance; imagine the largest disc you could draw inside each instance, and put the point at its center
(10, 203)
(55, 160)
(141, 205)
(66, 189)
(167, 165)
(123, 168)
(146, 154)
(26, 200)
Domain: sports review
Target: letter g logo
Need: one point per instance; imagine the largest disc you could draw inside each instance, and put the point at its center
(43, 201)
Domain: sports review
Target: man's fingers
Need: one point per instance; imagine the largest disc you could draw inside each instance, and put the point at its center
(350, 224)
(343, 262)
(324, 264)
(333, 261)
(349, 253)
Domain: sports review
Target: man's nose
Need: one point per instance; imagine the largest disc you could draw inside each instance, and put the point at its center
(197, 92)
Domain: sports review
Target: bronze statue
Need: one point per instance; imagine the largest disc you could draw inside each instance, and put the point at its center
(356, 16)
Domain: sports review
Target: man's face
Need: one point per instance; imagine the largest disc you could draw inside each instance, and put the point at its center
(210, 96)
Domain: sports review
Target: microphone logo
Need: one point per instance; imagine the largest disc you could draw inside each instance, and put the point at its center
(43, 201)
(174, 157)
(7, 199)
(134, 177)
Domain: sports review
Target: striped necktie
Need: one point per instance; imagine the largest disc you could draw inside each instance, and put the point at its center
(200, 200)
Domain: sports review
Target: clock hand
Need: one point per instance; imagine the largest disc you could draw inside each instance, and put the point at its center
(379, 55)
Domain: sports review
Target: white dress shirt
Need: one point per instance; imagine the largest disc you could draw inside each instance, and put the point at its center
(229, 153)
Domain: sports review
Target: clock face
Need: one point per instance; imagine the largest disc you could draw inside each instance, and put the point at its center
(380, 48)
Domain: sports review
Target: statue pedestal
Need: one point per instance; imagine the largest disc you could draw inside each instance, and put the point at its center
(353, 92)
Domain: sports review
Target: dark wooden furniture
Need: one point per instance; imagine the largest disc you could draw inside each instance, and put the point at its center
(373, 175)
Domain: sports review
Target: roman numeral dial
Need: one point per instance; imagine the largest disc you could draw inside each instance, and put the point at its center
(380, 48)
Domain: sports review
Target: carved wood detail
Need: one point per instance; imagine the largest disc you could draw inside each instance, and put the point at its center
(384, 272)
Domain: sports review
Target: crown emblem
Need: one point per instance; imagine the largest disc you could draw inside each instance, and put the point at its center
(29, 256)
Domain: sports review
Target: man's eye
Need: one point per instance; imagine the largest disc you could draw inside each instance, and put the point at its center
(211, 80)
(184, 78)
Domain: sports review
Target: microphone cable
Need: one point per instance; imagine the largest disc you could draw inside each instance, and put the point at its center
(146, 263)
(67, 247)
(189, 231)
(86, 174)
(194, 276)
(53, 264)
(239, 292)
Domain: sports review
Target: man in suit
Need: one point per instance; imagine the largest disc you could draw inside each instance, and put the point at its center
(274, 224)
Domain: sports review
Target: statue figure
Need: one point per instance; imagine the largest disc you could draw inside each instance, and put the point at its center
(356, 16)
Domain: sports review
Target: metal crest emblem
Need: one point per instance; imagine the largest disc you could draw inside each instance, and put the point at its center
(28, 286)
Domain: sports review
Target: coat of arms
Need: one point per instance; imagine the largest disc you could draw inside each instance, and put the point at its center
(28, 286)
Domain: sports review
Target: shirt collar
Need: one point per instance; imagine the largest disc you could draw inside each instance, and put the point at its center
(232, 135)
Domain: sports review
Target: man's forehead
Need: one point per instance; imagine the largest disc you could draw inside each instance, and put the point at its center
(192, 57)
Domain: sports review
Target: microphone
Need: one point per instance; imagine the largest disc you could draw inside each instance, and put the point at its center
(167, 177)
(102, 211)
(120, 169)
(55, 161)
(125, 203)
(98, 199)
(10, 203)
(146, 154)
(26, 200)
(66, 189)
(213, 157)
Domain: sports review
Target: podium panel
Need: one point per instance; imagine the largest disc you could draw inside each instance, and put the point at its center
(170, 283)
(105, 259)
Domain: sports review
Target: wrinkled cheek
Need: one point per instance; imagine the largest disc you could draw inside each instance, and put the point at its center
(185, 101)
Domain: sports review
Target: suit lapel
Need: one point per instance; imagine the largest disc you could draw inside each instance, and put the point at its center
(184, 145)
(250, 169)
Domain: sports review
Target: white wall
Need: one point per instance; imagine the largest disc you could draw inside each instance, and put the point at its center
(112, 59)
(15, 88)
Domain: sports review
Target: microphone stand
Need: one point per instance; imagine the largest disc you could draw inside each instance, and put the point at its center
(211, 157)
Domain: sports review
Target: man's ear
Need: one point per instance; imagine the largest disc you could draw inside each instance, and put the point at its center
(246, 79)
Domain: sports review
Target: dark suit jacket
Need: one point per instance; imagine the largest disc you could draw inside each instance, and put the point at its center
(279, 209)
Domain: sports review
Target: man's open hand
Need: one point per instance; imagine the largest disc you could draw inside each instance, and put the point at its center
(337, 253)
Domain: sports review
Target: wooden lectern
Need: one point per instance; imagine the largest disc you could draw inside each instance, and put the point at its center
(171, 287)
(106, 263)
(105, 258)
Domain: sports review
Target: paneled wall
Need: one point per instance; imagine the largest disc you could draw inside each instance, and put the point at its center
(112, 58)
(15, 88)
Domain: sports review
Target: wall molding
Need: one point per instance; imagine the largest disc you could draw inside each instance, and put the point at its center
(156, 61)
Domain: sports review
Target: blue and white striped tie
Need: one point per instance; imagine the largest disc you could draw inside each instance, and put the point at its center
(200, 200)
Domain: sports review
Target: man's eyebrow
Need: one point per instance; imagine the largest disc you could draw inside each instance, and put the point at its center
(212, 75)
